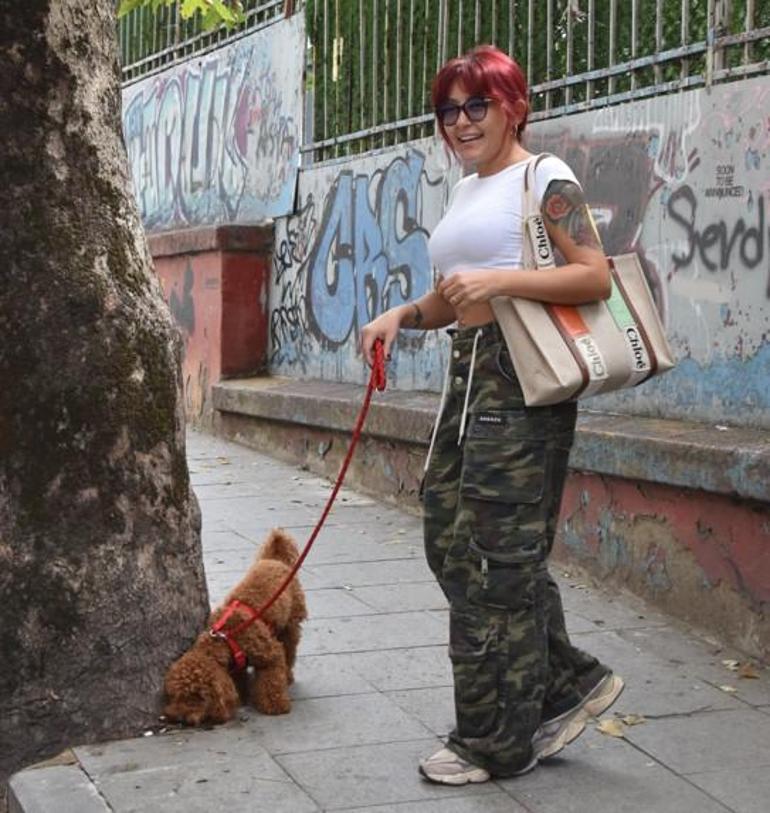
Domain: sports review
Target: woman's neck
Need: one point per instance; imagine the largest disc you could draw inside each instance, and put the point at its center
(504, 159)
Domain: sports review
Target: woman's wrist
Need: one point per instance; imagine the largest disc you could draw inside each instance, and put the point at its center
(410, 316)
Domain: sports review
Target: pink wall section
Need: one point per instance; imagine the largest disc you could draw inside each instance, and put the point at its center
(702, 556)
(215, 281)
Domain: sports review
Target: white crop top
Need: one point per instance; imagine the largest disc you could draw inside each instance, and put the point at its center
(482, 226)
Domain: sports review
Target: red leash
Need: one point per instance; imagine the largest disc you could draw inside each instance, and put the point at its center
(377, 381)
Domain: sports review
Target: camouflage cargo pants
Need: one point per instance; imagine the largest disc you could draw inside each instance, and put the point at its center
(491, 505)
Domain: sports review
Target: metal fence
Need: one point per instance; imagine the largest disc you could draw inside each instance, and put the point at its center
(371, 61)
(151, 41)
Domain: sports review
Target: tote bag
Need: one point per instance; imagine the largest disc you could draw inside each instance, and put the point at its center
(566, 352)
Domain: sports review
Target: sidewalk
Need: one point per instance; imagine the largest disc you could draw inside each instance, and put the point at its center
(373, 690)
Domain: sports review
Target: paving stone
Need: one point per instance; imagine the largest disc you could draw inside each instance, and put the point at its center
(408, 668)
(484, 803)
(379, 774)
(744, 790)
(371, 632)
(331, 722)
(600, 773)
(400, 597)
(577, 623)
(66, 786)
(335, 602)
(337, 548)
(361, 574)
(231, 561)
(607, 611)
(702, 658)
(328, 676)
(656, 792)
(182, 746)
(225, 490)
(433, 707)
(226, 541)
(681, 692)
(203, 789)
(708, 742)
(399, 529)
(192, 770)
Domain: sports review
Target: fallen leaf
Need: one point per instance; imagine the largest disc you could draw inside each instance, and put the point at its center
(728, 689)
(633, 719)
(748, 671)
(612, 728)
(731, 664)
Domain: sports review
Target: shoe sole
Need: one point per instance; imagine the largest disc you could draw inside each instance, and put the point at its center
(599, 704)
(592, 707)
(470, 778)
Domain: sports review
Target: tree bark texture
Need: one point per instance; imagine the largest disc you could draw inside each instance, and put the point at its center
(101, 578)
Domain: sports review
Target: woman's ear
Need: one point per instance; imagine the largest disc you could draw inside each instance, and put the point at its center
(520, 110)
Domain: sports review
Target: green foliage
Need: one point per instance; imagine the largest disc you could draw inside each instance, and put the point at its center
(213, 13)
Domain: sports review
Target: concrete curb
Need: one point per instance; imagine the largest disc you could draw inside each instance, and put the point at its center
(722, 460)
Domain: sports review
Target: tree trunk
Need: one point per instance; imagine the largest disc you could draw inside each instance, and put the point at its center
(101, 578)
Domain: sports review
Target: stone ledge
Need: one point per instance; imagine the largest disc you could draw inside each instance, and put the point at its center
(258, 238)
(732, 461)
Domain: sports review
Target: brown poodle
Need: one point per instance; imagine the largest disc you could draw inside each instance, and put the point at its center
(200, 687)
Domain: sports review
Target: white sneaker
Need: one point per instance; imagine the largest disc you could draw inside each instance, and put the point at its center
(447, 768)
(553, 735)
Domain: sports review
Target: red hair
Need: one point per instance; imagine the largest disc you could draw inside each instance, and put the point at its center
(484, 71)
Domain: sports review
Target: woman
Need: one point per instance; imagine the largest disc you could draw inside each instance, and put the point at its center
(496, 468)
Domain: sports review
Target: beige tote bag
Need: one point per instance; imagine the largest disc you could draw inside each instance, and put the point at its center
(566, 352)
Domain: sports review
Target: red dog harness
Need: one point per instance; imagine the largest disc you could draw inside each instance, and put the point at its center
(240, 661)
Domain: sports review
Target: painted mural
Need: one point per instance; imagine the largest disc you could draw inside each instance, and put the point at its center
(682, 179)
(216, 139)
(358, 245)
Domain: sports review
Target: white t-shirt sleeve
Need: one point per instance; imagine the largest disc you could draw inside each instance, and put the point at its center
(550, 169)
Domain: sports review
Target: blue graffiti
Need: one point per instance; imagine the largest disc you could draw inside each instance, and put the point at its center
(366, 259)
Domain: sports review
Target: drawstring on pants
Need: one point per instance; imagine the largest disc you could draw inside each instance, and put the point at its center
(442, 402)
(468, 388)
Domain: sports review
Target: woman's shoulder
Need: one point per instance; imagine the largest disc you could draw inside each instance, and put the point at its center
(552, 168)
(553, 165)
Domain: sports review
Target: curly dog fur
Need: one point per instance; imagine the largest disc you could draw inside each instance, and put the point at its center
(199, 686)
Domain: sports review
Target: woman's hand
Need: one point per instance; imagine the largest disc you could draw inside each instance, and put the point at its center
(466, 288)
(385, 327)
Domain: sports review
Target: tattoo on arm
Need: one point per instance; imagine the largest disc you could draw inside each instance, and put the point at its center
(416, 316)
(565, 208)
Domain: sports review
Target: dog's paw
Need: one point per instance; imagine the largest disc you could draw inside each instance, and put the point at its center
(273, 705)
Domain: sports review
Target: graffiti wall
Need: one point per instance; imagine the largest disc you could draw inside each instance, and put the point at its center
(358, 245)
(682, 179)
(216, 139)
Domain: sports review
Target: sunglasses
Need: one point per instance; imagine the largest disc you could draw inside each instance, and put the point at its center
(475, 109)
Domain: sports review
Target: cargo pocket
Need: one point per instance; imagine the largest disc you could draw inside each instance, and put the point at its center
(504, 457)
(476, 669)
(504, 479)
(507, 581)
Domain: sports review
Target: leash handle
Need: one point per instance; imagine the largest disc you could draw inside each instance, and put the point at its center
(377, 378)
(377, 381)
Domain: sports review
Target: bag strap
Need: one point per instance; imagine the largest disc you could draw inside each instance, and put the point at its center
(535, 232)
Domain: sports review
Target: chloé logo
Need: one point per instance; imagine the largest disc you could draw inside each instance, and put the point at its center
(541, 242)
